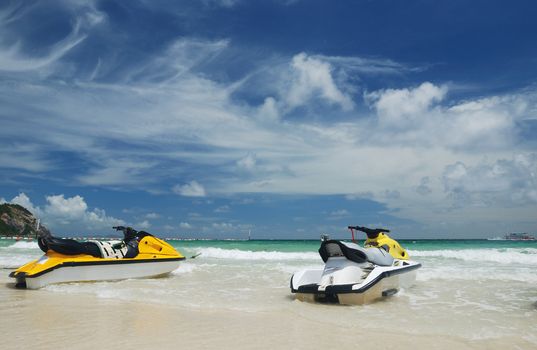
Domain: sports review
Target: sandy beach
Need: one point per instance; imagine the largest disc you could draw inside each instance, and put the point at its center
(236, 295)
(46, 319)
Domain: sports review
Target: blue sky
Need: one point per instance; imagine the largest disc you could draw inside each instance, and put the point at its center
(288, 118)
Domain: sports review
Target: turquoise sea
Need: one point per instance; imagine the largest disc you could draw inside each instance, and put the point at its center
(467, 290)
(312, 245)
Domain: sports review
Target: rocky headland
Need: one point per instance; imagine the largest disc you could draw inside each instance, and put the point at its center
(17, 221)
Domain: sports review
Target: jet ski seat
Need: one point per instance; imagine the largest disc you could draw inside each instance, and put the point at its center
(354, 252)
(69, 246)
(127, 248)
(98, 249)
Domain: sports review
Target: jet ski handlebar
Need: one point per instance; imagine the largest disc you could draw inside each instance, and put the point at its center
(124, 229)
(131, 233)
(128, 232)
(368, 231)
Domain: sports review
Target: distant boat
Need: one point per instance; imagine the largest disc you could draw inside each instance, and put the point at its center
(520, 237)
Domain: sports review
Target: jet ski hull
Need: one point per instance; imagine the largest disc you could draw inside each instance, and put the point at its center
(344, 282)
(155, 258)
(69, 271)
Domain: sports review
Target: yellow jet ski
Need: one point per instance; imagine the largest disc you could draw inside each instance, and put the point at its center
(139, 255)
(354, 274)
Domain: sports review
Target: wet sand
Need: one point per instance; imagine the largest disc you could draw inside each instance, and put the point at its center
(46, 319)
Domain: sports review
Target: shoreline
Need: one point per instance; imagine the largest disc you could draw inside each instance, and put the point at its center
(43, 319)
(23, 238)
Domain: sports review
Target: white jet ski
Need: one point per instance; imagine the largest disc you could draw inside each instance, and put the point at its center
(357, 275)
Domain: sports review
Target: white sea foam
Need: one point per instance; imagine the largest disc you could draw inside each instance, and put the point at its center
(184, 268)
(14, 261)
(24, 245)
(291, 269)
(236, 254)
(452, 273)
(522, 256)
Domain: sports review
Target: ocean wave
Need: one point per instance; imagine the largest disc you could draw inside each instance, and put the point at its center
(14, 262)
(236, 254)
(524, 256)
(452, 273)
(24, 245)
(184, 268)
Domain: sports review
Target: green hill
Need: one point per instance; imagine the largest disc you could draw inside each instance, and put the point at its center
(15, 220)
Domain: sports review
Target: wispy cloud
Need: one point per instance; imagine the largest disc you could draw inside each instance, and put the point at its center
(363, 65)
(118, 172)
(11, 58)
(24, 156)
(18, 55)
(222, 209)
(292, 123)
(191, 189)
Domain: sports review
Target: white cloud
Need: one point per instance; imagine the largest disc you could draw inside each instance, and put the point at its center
(11, 59)
(223, 226)
(511, 182)
(191, 189)
(248, 162)
(152, 216)
(74, 211)
(360, 195)
(23, 200)
(222, 209)
(144, 225)
(13, 12)
(26, 157)
(391, 194)
(313, 78)
(489, 122)
(68, 212)
(339, 214)
(362, 65)
(120, 172)
(423, 187)
(134, 130)
(403, 107)
(168, 228)
(177, 61)
(311, 81)
(269, 110)
(185, 225)
(221, 3)
(417, 118)
(68, 208)
(15, 58)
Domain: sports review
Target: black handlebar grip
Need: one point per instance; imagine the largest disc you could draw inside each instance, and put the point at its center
(368, 230)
